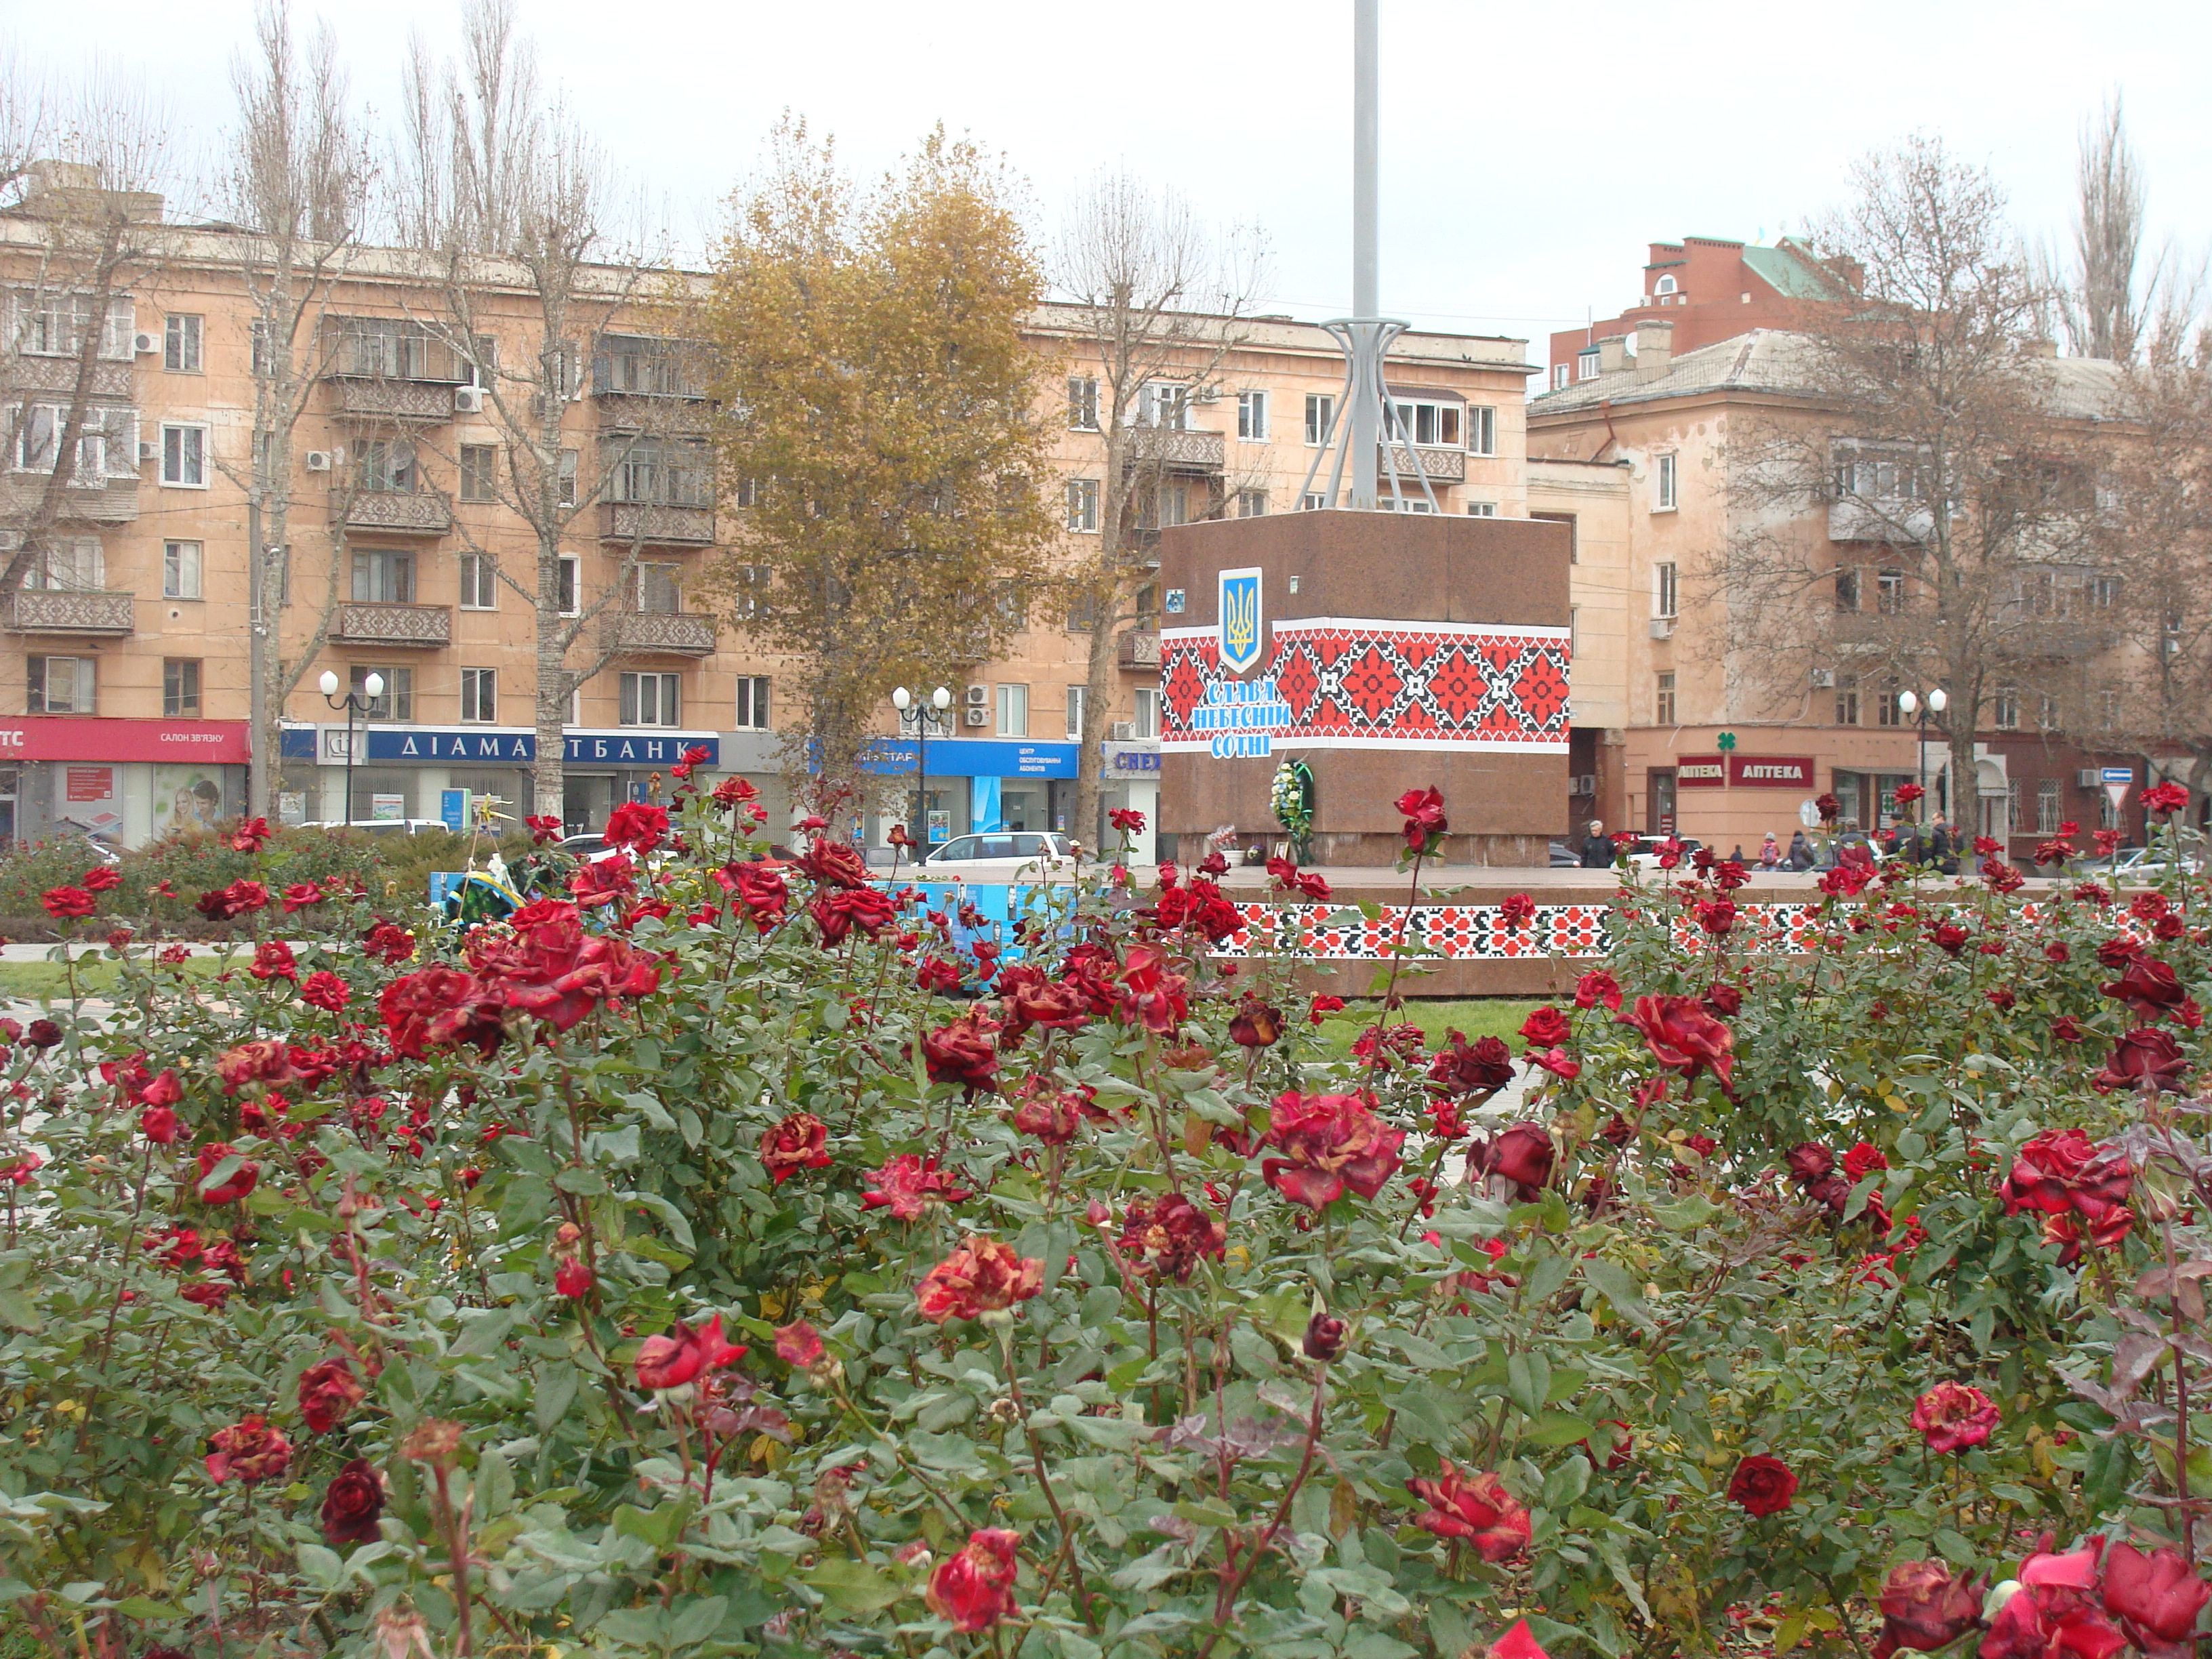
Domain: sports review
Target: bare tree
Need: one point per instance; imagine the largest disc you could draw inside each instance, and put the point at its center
(86, 225)
(296, 185)
(1164, 304)
(1923, 516)
(2107, 302)
(507, 200)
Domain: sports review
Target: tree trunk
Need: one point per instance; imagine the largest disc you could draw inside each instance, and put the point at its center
(549, 768)
(1098, 707)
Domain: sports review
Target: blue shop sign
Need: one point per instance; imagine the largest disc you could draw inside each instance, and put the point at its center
(430, 745)
(968, 757)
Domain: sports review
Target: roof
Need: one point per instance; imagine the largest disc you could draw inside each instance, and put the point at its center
(1791, 273)
(1777, 363)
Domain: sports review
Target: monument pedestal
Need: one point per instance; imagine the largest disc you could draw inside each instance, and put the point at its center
(1389, 652)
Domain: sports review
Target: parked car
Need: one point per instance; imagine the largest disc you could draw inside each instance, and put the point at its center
(999, 856)
(383, 826)
(2137, 864)
(1643, 852)
(1563, 857)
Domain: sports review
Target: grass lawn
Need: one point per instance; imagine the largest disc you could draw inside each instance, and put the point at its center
(48, 981)
(1477, 1016)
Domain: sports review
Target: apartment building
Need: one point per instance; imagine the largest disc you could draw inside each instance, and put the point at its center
(407, 553)
(1724, 740)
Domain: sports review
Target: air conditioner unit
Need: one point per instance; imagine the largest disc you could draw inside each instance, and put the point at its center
(148, 450)
(976, 716)
(2086, 778)
(318, 460)
(1662, 628)
(1122, 732)
(1823, 679)
(468, 400)
(145, 345)
(978, 695)
(1583, 783)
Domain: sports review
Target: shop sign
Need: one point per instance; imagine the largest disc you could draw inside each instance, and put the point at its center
(976, 757)
(1701, 772)
(63, 738)
(1135, 759)
(90, 783)
(1734, 771)
(423, 746)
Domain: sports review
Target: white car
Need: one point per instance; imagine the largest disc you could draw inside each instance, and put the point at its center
(1001, 855)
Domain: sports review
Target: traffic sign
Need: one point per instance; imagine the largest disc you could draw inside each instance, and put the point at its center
(2123, 774)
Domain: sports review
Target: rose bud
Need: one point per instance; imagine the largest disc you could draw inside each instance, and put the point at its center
(352, 1503)
(1324, 1338)
(1924, 1608)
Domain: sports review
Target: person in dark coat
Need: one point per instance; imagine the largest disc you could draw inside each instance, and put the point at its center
(1800, 856)
(1597, 847)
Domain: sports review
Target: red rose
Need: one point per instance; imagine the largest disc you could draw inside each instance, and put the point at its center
(1559, 1062)
(1546, 1028)
(1424, 812)
(1909, 793)
(1150, 996)
(328, 1392)
(1323, 1007)
(1950, 937)
(637, 826)
(2156, 1597)
(1330, 1142)
(1597, 986)
(1763, 1485)
(42, 1034)
(352, 1502)
(800, 1346)
(974, 1589)
(1126, 817)
(233, 1186)
(1724, 1001)
(982, 1278)
(1167, 1237)
(1952, 1417)
(2056, 1611)
(2063, 1169)
(1619, 1441)
(249, 834)
(1476, 1508)
(1522, 1153)
(1324, 1338)
(799, 1142)
(389, 942)
(1924, 1608)
(1683, 1037)
(68, 904)
(1516, 910)
(834, 863)
(227, 903)
(250, 1452)
(274, 960)
(1809, 1162)
(1463, 1069)
(1862, 1160)
(572, 1278)
(101, 878)
(837, 910)
(907, 1185)
(1027, 998)
(672, 1361)
(761, 889)
(2149, 987)
(1257, 1023)
(962, 1053)
(159, 1124)
(439, 1008)
(326, 990)
(2167, 797)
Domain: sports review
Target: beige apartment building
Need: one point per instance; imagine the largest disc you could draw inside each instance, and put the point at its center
(128, 643)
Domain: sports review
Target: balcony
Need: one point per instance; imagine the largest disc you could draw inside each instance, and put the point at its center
(671, 412)
(664, 633)
(650, 521)
(1443, 466)
(389, 400)
(39, 611)
(1140, 650)
(1178, 452)
(112, 501)
(409, 627)
(1893, 519)
(410, 512)
(29, 373)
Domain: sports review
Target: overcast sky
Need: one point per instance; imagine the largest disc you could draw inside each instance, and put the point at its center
(1530, 151)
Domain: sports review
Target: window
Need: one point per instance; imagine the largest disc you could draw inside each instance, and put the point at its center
(1083, 505)
(1320, 416)
(1164, 403)
(479, 582)
(1481, 430)
(656, 591)
(1251, 503)
(2004, 708)
(1083, 403)
(1075, 696)
(1312, 501)
(1847, 588)
(480, 694)
(1586, 365)
(2049, 806)
(383, 575)
(1148, 712)
(1252, 416)
(479, 472)
(2047, 712)
(1667, 285)
(1847, 703)
(184, 457)
(61, 685)
(71, 564)
(1432, 422)
(397, 703)
(1879, 475)
(53, 325)
(385, 465)
(2108, 709)
(1889, 593)
(752, 703)
(572, 577)
(180, 682)
(483, 367)
(1662, 713)
(106, 443)
(1888, 711)
(181, 344)
(644, 365)
(1561, 373)
(1170, 505)
(1013, 711)
(2104, 592)
(1662, 590)
(565, 478)
(391, 348)
(180, 570)
(665, 474)
(1411, 504)
(650, 700)
(750, 582)
(1665, 503)
(1482, 509)
(745, 493)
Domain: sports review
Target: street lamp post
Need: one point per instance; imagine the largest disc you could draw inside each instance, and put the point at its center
(1937, 701)
(939, 701)
(353, 702)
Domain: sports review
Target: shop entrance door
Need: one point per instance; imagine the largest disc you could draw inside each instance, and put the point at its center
(587, 799)
(1660, 798)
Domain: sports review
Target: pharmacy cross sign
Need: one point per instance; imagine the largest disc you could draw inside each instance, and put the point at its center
(1725, 741)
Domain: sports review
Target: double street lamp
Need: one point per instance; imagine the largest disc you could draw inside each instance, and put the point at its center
(354, 703)
(1937, 701)
(937, 701)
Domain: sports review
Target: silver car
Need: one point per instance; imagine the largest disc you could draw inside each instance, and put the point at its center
(999, 856)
